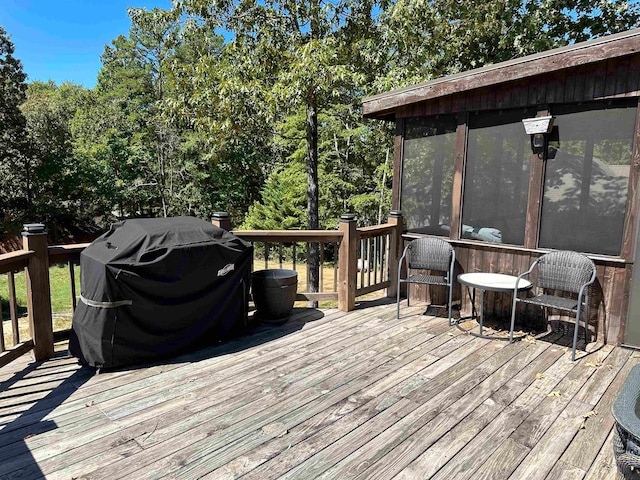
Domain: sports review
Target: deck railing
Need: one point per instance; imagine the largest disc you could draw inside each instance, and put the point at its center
(366, 262)
(373, 258)
(69, 255)
(10, 264)
(290, 249)
(34, 260)
(353, 262)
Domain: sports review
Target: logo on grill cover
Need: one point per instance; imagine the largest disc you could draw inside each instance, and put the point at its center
(226, 269)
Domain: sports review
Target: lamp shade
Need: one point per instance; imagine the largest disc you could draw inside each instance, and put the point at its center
(538, 125)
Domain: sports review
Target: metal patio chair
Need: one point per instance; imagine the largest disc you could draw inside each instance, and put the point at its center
(427, 253)
(563, 271)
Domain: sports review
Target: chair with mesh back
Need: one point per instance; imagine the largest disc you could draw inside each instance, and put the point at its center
(427, 253)
(561, 271)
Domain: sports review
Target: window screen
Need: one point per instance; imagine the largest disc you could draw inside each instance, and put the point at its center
(496, 177)
(427, 174)
(587, 177)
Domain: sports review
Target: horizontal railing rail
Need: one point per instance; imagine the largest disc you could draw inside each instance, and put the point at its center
(13, 261)
(290, 236)
(66, 253)
(376, 231)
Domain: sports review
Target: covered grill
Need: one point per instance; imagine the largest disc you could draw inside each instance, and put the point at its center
(152, 288)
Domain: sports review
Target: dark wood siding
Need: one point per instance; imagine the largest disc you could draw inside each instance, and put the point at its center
(602, 80)
(398, 149)
(596, 61)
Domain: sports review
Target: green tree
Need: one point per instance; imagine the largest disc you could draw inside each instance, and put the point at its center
(54, 172)
(143, 149)
(133, 77)
(286, 56)
(147, 152)
(422, 40)
(223, 172)
(15, 182)
(283, 201)
(350, 168)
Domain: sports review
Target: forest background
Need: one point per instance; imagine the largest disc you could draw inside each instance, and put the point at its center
(251, 107)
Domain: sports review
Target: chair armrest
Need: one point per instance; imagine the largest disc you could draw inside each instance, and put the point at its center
(590, 282)
(452, 266)
(404, 255)
(520, 277)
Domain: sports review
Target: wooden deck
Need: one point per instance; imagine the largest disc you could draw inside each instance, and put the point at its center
(328, 395)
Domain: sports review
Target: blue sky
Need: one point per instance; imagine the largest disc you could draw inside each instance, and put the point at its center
(62, 40)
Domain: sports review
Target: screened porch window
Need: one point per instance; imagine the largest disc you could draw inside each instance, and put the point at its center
(427, 174)
(587, 177)
(496, 178)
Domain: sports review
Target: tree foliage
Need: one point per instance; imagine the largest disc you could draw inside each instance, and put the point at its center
(253, 106)
(56, 177)
(428, 39)
(288, 57)
(14, 158)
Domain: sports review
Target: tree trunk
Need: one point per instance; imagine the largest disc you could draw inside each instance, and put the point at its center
(312, 163)
(312, 193)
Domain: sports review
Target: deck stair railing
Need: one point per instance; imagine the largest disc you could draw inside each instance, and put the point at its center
(353, 262)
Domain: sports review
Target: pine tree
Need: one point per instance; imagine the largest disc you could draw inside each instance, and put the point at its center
(14, 159)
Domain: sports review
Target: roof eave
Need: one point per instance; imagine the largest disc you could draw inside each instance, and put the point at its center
(383, 106)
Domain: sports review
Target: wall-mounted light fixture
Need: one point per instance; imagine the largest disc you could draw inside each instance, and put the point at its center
(538, 128)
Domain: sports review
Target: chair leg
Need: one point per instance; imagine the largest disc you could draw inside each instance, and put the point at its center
(408, 292)
(513, 320)
(398, 298)
(575, 336)
(586, 322)
(450, 300)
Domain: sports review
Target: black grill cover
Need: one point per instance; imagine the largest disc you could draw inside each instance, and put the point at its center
(152, 288)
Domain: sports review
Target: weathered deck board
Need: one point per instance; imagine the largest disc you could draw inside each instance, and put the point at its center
(438, 454)
(592, 438)
(186, 417)
(177, 450)
(384, 465)
(329, 395)
(374, 459)
(604, 467)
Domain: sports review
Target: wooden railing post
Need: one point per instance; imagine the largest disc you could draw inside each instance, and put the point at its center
(34, 237)
(347, 263)
(222, 220)
(395, 251)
